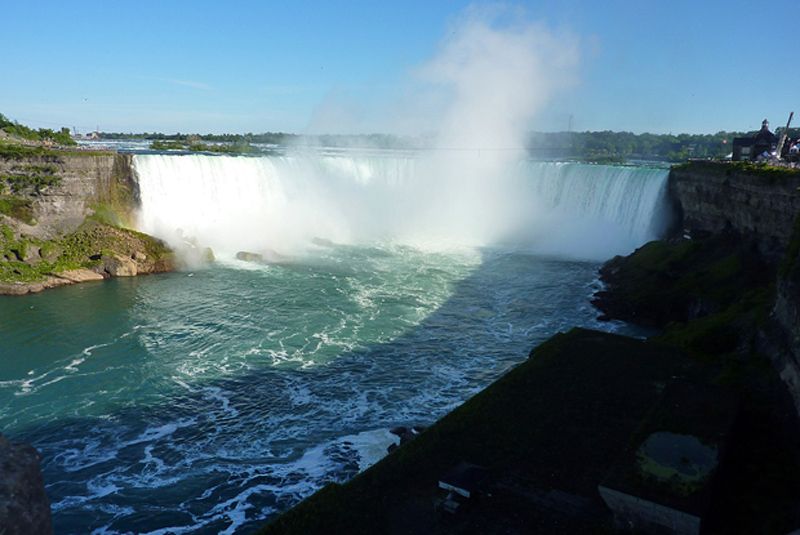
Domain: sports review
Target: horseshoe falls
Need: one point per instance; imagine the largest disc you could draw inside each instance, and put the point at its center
(281, 203)
(398, 285)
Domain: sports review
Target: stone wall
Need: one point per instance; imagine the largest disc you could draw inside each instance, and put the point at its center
(636, 515)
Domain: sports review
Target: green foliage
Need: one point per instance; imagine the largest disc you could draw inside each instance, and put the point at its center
(662, 282)
(33, 182)
(6, 233)
(15, 129)
(12, 151)
(17, 208)
(616, 146)
(239, 147)
(80, 249)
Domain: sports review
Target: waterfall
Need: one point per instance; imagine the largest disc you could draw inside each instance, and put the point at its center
(282, 203)
(595, 211)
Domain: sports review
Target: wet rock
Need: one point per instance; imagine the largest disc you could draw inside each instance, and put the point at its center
(119, 266)
(250, 257)
(24, 507)
(406, 434)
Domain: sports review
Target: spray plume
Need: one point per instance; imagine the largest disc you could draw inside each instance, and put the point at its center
(495, 70)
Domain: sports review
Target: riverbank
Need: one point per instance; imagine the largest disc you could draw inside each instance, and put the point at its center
(95, 251)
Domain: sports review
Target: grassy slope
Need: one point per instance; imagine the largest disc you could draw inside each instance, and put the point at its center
(556, 420)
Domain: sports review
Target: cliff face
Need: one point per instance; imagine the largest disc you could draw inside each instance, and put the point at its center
(758, 205)
(65, 217)
(74, 184)
(755, 202)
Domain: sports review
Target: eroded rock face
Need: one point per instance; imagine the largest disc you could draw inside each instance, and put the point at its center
(119, 266)
(783, 337)
(714, 197)
(24, 507)
(82, 180)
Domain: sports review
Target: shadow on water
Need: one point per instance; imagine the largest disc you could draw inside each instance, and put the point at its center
(229, 451)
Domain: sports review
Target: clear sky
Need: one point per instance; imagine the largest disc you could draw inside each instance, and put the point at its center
(212, 66)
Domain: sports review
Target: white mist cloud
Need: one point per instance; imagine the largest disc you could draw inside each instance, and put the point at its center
(493, 70)
(499, 70)
(481, 90)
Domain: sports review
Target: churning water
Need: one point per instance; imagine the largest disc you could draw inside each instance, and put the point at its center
(209, 400)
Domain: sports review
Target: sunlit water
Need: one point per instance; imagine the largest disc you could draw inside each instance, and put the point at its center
(208, 401)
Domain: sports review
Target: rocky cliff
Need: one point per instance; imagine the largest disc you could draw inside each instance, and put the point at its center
(745, 221)
(65, 217)
(756, 202)
(24, 507)
(57, 190)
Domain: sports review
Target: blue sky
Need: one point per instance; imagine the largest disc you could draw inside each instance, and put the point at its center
(201, 66)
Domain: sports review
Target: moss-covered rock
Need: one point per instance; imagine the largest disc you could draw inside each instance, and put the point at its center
(104, 249)
(678, 281)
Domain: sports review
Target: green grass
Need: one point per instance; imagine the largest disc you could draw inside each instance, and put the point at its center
(80, 249)
(766, 171)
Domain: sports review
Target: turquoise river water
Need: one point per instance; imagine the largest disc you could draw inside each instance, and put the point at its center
(210, 399)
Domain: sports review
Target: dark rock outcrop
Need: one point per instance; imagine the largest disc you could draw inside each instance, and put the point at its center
(680, 280)
(781, 339)
(247, 256)
(24, 507)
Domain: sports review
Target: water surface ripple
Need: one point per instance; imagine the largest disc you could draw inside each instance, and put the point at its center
(205, 402)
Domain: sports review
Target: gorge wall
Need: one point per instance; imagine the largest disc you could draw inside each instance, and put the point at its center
(759, 204)
(64, 187)
(66, 217)
(755, 201)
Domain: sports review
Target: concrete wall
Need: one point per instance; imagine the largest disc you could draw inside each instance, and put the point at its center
(638, 515)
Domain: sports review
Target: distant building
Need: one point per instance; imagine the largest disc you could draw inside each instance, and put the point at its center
(750, 148)
(742, 148)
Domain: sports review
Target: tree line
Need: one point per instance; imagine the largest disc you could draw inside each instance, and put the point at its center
(15, 129)
(590, 146)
